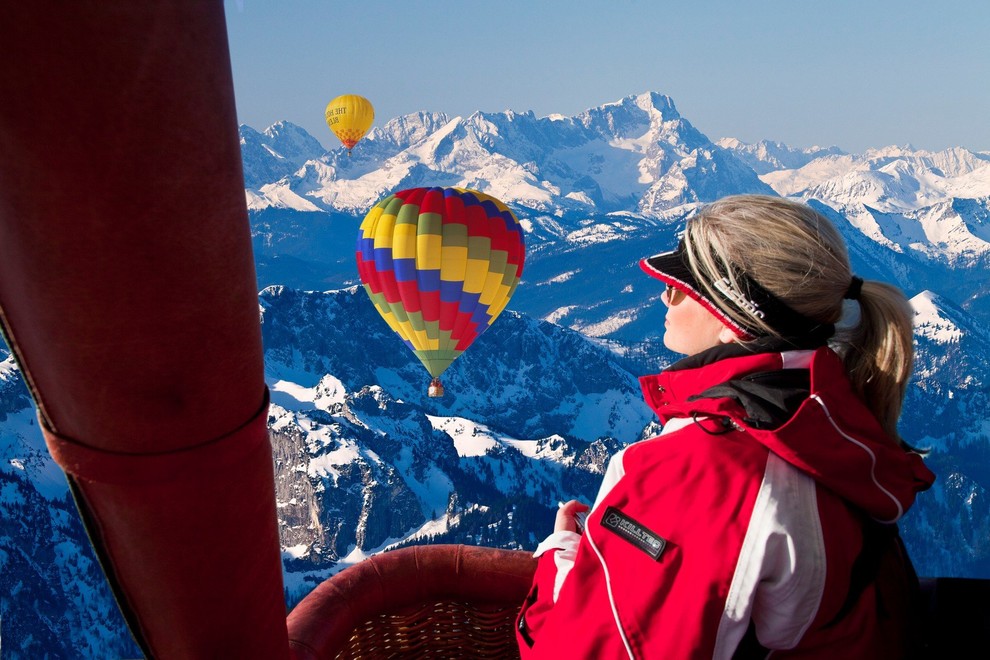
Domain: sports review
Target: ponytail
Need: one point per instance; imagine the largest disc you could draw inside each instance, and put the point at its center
(797, 255)
(878, 352)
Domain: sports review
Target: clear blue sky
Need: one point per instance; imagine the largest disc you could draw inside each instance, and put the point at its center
(856, 74)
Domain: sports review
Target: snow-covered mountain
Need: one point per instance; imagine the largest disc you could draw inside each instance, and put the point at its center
(606, 187)
(54, 598)
(767, 156)
(637, 155)
(946, 412)
(891, 179)
(278, 151)
(923, 214)
(365, 459)
(531, 378)
(914, 218)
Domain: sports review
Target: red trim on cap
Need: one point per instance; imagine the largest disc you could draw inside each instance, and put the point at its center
(697, 296)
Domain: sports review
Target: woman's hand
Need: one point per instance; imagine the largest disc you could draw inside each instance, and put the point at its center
(567, 516)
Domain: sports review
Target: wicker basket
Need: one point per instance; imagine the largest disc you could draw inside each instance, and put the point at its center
(440, 601)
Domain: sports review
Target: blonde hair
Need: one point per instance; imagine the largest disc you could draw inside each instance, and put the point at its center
(797, 255)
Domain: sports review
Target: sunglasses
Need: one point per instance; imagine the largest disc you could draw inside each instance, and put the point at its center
(672, 295)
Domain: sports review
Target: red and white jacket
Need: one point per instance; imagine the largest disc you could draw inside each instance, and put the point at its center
(718, 527)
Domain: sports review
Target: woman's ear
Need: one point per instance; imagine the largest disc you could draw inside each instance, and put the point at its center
(727, 336)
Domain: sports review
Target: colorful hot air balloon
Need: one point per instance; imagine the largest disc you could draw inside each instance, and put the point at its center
(349, 117)
(440, 265)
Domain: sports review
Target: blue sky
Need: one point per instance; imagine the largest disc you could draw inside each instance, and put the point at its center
(855, 74)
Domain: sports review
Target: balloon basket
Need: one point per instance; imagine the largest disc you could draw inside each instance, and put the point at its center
(435, 389)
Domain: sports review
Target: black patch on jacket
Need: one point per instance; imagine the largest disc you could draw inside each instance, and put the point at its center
(628, 529)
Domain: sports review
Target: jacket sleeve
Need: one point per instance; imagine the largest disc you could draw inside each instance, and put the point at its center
(562, 546)
(556, 554)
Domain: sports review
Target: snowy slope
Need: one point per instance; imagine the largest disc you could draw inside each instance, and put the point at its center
(365, 460)
(946, 412)
(54, 599)
(613, 184)
(634, 155)
(931, 206)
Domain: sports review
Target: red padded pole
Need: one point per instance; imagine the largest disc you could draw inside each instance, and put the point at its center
(128, 294)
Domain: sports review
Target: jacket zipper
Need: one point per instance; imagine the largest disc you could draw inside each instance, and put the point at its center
(611, 598)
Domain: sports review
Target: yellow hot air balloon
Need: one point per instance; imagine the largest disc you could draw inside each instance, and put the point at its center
(350, 116)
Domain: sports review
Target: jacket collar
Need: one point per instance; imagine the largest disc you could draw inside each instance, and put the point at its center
(734, 349)
(668, 392)
(832, 436)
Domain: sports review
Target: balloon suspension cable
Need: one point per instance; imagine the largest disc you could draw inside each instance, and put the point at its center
(436, 388)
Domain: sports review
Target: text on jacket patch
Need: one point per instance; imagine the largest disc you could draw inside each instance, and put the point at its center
(625, 527)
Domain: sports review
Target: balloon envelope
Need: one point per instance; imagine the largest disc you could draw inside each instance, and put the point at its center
(350, 116)
(440, 265)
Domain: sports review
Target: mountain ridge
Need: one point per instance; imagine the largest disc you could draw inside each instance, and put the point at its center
(550, 165)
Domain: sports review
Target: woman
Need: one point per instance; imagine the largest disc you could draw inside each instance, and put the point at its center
(763, 517)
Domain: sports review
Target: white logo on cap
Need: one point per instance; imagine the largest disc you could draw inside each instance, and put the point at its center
(725, 287)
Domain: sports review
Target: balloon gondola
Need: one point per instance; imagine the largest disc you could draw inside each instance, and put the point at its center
(436, 388)
(440, 265)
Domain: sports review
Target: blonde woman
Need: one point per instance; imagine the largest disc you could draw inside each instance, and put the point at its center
(763, 518)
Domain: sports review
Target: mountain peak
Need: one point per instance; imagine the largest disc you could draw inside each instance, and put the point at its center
(635, 155)
(278, 151)
(657, 101)
(769, 156)
(931, 320)
(403, 131)
(284, 127)
(658, 108)
(889, 151)
(941, 321)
